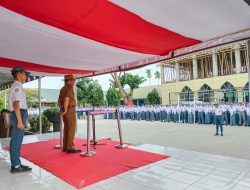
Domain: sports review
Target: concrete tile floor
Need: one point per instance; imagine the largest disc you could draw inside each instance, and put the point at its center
(186, 169)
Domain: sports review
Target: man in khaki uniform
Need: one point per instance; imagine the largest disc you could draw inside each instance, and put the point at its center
(67, 104)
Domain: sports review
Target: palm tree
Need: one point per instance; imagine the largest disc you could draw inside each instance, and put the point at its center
(149, 75)
(158, 76)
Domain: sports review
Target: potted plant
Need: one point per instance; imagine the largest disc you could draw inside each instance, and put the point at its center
(53, 116)
(34, 124)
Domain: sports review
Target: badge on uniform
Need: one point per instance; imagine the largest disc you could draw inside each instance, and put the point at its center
(16, 90)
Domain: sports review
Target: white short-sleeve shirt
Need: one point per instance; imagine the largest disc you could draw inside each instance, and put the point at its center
(218, 111)
(17, 94)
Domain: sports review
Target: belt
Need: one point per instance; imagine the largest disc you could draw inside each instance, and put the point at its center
(71, 106)
(21, 110)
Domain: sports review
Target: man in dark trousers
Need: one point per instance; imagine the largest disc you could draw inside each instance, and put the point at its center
(18, 107)
(67, 104)
(218, 120)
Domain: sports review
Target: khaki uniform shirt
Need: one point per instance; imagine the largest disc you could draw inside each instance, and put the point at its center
(67, 91)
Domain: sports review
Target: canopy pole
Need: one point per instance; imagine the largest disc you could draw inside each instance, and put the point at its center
(248, 66)
(5, 99)
(75, 93)
(40, 105)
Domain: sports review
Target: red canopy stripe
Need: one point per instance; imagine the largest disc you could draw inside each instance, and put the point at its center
(10, 63)
(102, 21)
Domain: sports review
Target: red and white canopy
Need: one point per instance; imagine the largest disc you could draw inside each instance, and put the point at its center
(51, 37)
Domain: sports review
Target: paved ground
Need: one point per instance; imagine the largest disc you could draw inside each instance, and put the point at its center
(234, 143)
(186, 169)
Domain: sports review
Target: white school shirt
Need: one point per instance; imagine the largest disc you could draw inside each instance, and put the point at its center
(218, 111)
(242, 108)
(168, 110)
(248, 110)
(232, 110)
(200, 109)
(17, 94)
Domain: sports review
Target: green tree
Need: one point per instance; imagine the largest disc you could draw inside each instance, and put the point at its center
(89, 92)
(95, 94)
(113, 96)
(31, 97)
(121, 80)
(1, 103)
(149, 75)
(153, 97)
(2, 94)
(158, 76)
(82, 90)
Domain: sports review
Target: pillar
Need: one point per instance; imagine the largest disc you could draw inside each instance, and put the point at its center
(239, 95)
(237, 59)
(248, 65)
(162, 75)
(195, 68)
(215, 64)
(5, 99)
(177, 71)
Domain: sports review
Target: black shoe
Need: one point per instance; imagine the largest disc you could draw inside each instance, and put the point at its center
(73, 151)
(64, 150)
(25, 166)
(216, 134)
(221, 134)
(20, 169)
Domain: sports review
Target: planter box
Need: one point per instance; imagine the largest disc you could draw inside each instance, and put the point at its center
(56, 126)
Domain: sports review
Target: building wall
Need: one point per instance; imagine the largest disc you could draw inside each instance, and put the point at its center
(140, 94)
(170, 91)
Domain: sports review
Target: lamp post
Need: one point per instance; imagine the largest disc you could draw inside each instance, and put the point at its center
(40, 105)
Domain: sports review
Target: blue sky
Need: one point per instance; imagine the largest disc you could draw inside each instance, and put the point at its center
(57, 82)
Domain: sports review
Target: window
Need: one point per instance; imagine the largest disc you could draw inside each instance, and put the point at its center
(226, 62)
(243, 58)
(206, 94)
(205, 66)
(246, 93)
(186, 69)
(186, 94)
(230, 94)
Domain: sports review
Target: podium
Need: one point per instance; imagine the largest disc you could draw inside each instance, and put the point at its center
(92, 114)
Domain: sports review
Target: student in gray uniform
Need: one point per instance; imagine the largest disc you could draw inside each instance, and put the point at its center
(218, 113)
(248, 115)
(232, 112)
(207, 115)
(190, 115)
(151, 114)
(165, 113)
(176, 115)
(157, 113)
(143, 113)
(139, 113)
(242, 115)
(147, 114)
(131, 112)
(162, 112)
(168, 111)
(199, 109)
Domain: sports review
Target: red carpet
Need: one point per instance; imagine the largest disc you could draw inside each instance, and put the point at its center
(83, 171)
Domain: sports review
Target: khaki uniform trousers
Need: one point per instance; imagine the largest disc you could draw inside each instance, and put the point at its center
(69, 120)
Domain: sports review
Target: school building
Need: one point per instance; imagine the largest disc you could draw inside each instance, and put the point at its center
(218, 74)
